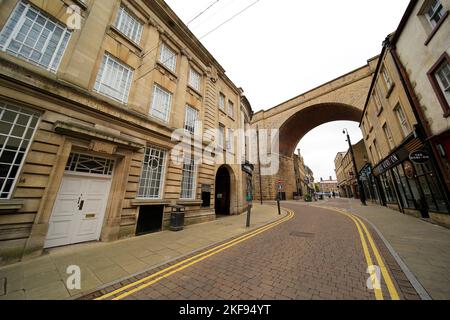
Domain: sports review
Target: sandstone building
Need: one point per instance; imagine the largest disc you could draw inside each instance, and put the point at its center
(408, 176)
(329, 186)
(421, 45)
(87, 115)
(347, 182)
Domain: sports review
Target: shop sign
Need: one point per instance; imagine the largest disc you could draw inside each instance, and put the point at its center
(419, 157)
(387, 164)
(410, 172)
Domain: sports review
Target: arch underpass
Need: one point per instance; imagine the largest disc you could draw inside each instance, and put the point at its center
(340, 99)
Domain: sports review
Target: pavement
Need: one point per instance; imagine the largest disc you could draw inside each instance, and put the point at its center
(313, 254)
(313, 251)
(424, 247)
(103, 264)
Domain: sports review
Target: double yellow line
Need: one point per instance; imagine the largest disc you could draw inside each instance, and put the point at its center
(141, 284)
(362, 229)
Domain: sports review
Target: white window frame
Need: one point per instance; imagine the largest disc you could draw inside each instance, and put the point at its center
(230, 109)
(444, 76)
(222, 100)
(377, 150)
(129, 25)
(221, 137)
(195, 79)
(403, 121)
(192, 188)
(168, 57)
(19, 111)
(156, 99)
(14, 27)
(377, 101)
(437, 11)
(389, 136)
(387, 78)
(108, 76)
(191, 118)
(230, 140)
(149, 185)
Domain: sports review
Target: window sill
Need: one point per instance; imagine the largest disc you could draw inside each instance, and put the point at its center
(436, 28)
(380, 112)
(149, 202)
(81, 4)
(8, 206)
(191, 203)
(371, 129)
(194, 91)
(114, 30)
(232, 118)
(389, 92)
(163, 69)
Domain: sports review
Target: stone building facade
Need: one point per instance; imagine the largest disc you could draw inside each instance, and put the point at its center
(300, 175)
(421, 45)
(329, 186)
(347, 183)
(89, 104)
(404, 168)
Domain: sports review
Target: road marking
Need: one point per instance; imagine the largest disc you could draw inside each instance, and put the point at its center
(390, 285)
(193, 260)
(387, 278)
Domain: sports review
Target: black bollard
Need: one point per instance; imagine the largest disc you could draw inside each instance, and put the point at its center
(249, 210)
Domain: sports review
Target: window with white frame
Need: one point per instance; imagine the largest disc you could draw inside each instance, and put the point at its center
(442, 75)
(387, 78)
(152, 176)
(230, 140)
(34, 36)
(434, 12)
(377, 150)
(230, 109)
(369, 123)
(222, 101)
(114, 79)
(388, 136)
(372, 155)
(161, 104)
(403, 121)
(17, 127)
(220, 137)
(188, 180)
(128, 25)
(168, 57)
(195, 79)
(190, 119)
(377, 101)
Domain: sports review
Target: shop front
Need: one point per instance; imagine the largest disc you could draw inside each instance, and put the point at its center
(409, 182)
(369, 184)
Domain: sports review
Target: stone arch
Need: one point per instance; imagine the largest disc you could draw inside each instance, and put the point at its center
(303, 121)
(340, 99)
(231, 189)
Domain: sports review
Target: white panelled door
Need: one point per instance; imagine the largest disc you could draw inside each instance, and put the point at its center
(79, 209)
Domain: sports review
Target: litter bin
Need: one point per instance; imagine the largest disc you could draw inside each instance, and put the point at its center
(177, 218)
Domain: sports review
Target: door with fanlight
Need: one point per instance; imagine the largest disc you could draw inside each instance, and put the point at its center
(80, 205)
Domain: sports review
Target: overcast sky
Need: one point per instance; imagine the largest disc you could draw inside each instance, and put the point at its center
(279, 49)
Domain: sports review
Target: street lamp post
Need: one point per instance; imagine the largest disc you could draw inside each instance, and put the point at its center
(362, 195)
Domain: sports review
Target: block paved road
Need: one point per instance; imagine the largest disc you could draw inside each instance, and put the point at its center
(317, 254)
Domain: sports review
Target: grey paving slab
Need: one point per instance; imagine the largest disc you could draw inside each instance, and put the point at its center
(102, 263)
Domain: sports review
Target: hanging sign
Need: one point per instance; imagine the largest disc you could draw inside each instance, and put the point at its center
(419, 157)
